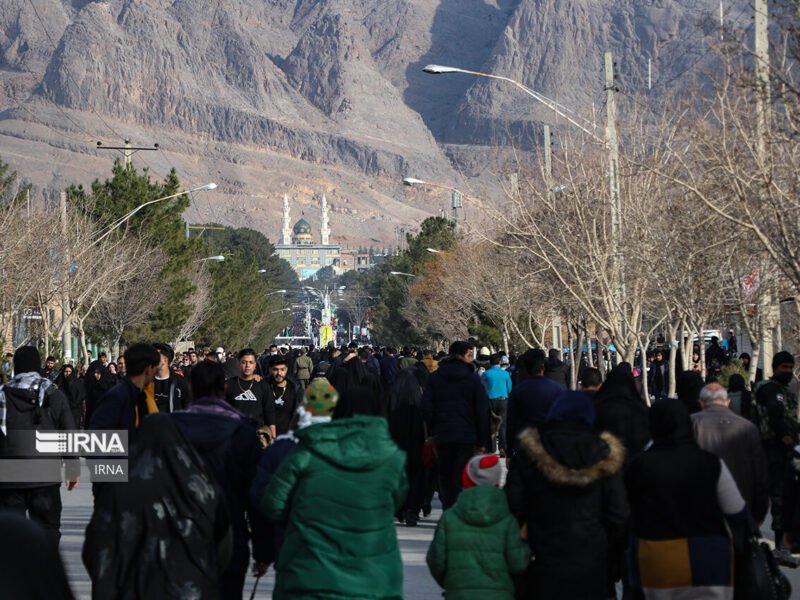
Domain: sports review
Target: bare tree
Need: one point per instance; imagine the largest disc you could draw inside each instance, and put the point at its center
(200, 279)
(132, 300)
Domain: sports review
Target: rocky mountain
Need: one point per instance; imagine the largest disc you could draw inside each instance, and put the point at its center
(304, 97)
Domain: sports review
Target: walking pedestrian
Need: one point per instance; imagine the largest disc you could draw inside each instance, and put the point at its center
(478, 544)
(30, 402)
(776, 407)
(163, 534)
(340, 538)
(227, 443)
(126, 405)
(303, 367)
(620, 410)
(72, 387)
(498, 388)
(169, 389)
(249, 395)
(565, 484)
(455, 408)
(683, 502)
(284, 393)
(530, 399)
(407, 429)
(736, 441)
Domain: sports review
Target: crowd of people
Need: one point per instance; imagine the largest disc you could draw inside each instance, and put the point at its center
(307, 460)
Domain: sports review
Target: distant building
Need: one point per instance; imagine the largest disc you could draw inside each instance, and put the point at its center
(353, 260)
(297, 245)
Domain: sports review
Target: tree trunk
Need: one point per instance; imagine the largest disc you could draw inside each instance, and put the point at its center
(673, 355)
(755, 355)
(644, 343)
(573, 369)
(589, 357)
(84, 348)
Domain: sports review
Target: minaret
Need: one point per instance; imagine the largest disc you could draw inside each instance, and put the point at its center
(324, 229)
(287, 227)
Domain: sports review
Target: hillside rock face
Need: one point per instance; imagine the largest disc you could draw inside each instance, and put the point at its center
(306, 97)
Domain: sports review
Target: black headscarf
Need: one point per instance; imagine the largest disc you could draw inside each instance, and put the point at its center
(405, 419)
(620, 385)
(688, 387)
(156, 535)
(670, 423)
(736, 383)
(359, 401)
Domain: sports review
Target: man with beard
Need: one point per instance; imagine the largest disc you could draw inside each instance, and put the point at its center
(285, 394)
(170, 389)
(249, 394)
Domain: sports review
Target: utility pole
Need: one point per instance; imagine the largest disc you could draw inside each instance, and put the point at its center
(548, 164)
(761, 47)
(649, 74)
(66, 336)
(612, 145)
(128, 149)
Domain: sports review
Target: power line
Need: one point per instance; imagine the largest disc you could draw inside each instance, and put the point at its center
(58, 131)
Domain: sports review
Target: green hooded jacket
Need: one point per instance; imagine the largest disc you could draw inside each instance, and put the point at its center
(337, 493)
(477, 547)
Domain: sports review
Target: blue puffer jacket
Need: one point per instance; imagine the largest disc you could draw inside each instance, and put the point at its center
(455, 405)
(230, 449)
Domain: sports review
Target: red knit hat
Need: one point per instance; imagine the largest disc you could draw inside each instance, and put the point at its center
(484, 469)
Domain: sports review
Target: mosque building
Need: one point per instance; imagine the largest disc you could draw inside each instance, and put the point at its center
(298, 248)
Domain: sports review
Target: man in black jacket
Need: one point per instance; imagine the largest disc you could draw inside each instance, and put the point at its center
(125, 405)
(736, 441)
(776, 407)
(455, 408)
(32, 402)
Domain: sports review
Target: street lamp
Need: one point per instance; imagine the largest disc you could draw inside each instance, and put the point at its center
(275, 292)
(401, 273)
(433, 250)
(457, 194)
(551, 104)
(123, 219)
(217, 258)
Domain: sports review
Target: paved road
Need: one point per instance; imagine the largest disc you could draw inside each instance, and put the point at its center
(414, 541)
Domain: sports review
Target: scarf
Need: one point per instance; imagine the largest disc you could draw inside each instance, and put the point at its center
(30, 381)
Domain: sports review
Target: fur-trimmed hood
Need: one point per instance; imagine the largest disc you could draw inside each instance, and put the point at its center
(556, 472)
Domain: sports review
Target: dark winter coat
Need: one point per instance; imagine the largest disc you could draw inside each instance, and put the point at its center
(566, 484)
(455, 405)
(158, 535)
(120, 408)
(678, 495)
(39, 406)
(337, 493)
(556, 370)
(228, 445)
(477, 547)
(528, 404)
(96, 388)
(620, 410)
(75, 392)
(388, 370)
